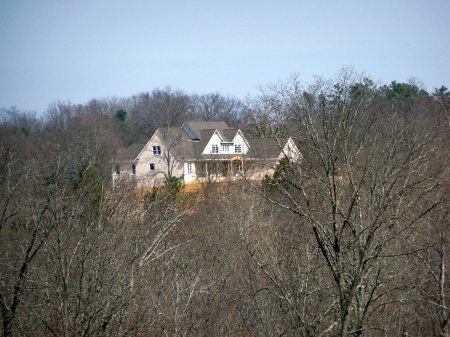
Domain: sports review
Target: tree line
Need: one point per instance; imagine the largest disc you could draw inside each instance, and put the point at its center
(351, 240)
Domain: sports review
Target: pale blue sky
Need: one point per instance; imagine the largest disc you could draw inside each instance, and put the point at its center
(78, 50)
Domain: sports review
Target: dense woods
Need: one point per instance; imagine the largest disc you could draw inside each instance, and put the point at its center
(351, 240)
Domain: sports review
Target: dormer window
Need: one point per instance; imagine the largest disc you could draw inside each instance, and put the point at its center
(215, 148)
(226, 147)
(238, 148)
(157, 150)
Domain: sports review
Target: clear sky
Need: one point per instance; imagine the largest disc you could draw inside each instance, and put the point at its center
(78, 50)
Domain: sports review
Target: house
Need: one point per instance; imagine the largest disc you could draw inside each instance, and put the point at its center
(202, 150)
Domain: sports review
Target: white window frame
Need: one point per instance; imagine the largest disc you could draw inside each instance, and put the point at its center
(157, 150)
(214, 148)
(238, 148)
(189, 168)
(226, 147)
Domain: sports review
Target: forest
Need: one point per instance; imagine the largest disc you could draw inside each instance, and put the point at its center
(353, 239)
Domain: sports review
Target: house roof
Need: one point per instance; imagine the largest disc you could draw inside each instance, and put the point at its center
(183, 146)
(197, 127)
(180, 143)
(194, 149)
(261, 148)
(130, 153)
(228, 134)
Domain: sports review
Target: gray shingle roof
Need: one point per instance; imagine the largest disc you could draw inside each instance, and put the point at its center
(228, 134)
(261, 148)
(198, 126)
(130, 153)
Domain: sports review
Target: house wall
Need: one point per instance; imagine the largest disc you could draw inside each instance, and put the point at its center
(189, 176)
(125, 171)
(161, 162)
(256, 170)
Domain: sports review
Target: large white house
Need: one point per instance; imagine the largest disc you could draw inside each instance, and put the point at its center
(199, 151)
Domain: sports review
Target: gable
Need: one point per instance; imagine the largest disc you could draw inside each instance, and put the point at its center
(215, 139)
(290, 150)
(241, 140)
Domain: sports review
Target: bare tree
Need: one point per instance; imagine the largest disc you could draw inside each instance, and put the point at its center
(362, 185)
(23, 226)
(217, 107)
(160, 108)
(76, 259)
(430, 287)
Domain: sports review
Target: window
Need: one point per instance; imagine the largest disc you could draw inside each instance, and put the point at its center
(133, 169)
(157, 150)
(237, 148)
(226, 147)
(189, 168)
(117, 169)
(215, 148)
(152, 167)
